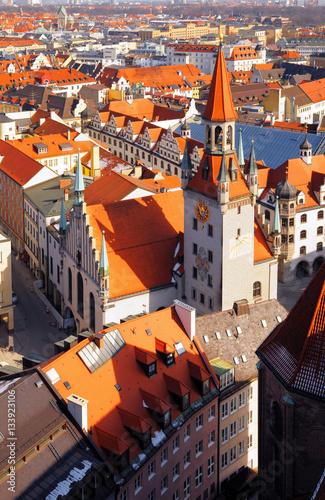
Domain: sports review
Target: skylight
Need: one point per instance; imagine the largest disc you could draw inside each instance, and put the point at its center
(94, 358)
(239, 330)
(236, 360)
(218, 335)
(264, 323)
(244, 359)
(206, 339)
(228, 332)
(279, 319)
(180, 349)
(148, 332)
(53, 375)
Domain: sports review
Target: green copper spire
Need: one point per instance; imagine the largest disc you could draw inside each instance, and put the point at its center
(252, 162)
(223, 172)
(276, 222)
(103, 264)
(63, 219)
(240, 154)
(79, 183)
(186, 161)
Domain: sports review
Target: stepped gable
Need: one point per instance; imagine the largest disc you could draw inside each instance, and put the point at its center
(295, 350)
(220, 106)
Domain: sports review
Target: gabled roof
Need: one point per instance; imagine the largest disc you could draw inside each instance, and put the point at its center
(141, 237)
(134, 398)
(220, 106)
(295, 350)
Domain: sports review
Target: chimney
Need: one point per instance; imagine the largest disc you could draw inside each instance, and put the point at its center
(138, 170)
(78, 408)
(186, 314)
(94, 158)
(68, 134)
(52, 115)
(66, 194)
(99, 340)
(272, 120)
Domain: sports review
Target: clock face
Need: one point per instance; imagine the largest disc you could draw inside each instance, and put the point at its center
(240, 246)
(202, 211)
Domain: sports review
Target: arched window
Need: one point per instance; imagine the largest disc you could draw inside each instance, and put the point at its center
(70, 285)
(276, 421)
(80, 295)
(319, 246)
(257, 289)
(91, 311)
(292, 205)
(218, 135)
(267, 214)
(320, 230)
(303, 218)
(320, 214)
(303, 235)
(302, 251)
(229, 135)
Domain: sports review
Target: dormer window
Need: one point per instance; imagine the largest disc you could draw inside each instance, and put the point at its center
(166, 352)
(179, 391)
(147, 361)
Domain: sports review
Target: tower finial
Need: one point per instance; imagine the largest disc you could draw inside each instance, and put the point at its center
(103, 264)
(79, 182)
(63, 219)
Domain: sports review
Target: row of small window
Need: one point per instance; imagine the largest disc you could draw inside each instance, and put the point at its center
(209, 227)
(138, 484)
(303, 218)
(202, 298)
(319, 231)
(319, 248)
(54, 162)
(31, 212)
(194, 276)
(225, 435)
(233, 402)
(236, 451)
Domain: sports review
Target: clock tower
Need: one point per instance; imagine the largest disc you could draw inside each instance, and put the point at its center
(219, 236)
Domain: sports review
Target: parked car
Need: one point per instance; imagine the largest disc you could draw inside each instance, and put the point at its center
(14, 298)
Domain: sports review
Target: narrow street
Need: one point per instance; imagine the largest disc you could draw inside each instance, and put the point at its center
(35, 331)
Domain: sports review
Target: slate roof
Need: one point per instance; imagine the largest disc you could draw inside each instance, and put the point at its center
(295, 350)
(53, 469)
(253, 333)
(272, 146)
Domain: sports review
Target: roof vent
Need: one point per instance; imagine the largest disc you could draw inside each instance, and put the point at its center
(241, 307)
(39, 383)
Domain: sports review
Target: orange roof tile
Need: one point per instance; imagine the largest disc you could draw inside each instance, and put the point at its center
(109, 408)
(220, 105)
(141, 237)
(261, 249)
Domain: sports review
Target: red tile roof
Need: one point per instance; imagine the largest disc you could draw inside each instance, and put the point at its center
(295, 350)
(220, 105)
(132, 404)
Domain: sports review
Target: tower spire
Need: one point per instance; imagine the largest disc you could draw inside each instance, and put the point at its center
(79, 183)
(63, 219)
(240, 154)
(220, 107)
(103, 264)
(252, 162)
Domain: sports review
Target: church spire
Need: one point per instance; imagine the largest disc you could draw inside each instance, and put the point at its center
(79, 183)
(63, 219)
(220, 107)
(103, 264)
(252, 170)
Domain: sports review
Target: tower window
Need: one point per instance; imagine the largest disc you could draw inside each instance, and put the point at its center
(320, 230)
(303, 235)
(291, 238)
(257, 289)
(267, 214)
(195, 248)
(302, 251)
(303, 218)
(320, 214)
(210, 230)
(194, 224)
(195, 273)
(238, 232)
(319, 246)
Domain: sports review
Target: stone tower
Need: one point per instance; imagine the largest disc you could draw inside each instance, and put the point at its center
(219, 262)
(62, 18)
